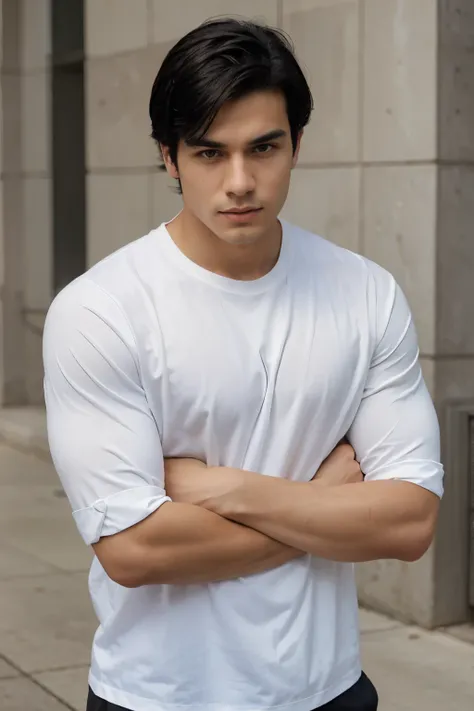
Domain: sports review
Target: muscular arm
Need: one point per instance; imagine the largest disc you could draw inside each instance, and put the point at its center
(351, 523)
(395, 436)
(181, 544)
(107, 452)
(326, 517)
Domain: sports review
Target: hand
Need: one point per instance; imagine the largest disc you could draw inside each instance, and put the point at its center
(339, 468)
(190, 481)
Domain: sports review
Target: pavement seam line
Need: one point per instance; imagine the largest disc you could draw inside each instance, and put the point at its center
(40, 576)
(51, 670)
(385, 629)
(51, 693)
(26, 675)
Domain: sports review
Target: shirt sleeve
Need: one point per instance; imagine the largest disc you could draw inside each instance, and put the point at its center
(395, 433)
(103, 438)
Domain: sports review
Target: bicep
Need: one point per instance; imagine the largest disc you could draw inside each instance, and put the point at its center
(103, 438)
(395, 433)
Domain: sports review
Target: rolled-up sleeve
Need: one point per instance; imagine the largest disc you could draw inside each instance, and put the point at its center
(395, 433)
(102, 435)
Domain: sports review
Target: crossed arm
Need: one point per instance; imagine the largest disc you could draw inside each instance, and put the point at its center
(225, 523)
(188, 542)
(182, 543)
(350, 522)
(200, 537)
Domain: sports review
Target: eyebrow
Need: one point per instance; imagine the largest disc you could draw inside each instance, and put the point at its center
(265, 138)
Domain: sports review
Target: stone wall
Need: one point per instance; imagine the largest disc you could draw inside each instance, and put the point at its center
(386, 169)
(25, 236)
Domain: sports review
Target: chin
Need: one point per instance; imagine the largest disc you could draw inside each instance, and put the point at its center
(241, 238)
(241, 235)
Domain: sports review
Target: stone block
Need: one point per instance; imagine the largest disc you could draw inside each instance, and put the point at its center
(400, 80)
(400, 234)
(326, 38)
(326, 201)
(118, 212)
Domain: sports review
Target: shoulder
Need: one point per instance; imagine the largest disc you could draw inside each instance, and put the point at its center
(85, 329)
(83, 300)
(92, 308)
(106, 292)
(335, 261)
(356, 281)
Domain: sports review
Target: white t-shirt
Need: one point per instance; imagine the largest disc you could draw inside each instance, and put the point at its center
(150, 355)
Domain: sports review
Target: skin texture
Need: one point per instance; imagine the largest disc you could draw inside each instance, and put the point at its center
(335, 516)
(237, 175)
(226, 523)
(183, 542)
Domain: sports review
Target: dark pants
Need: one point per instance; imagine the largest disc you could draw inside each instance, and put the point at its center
(360, 697)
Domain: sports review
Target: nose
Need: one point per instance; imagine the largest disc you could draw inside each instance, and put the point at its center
(239, 180)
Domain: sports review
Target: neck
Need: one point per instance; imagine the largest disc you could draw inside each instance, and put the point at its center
(244, 262)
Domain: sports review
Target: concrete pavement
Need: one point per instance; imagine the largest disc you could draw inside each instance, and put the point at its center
(47, 622)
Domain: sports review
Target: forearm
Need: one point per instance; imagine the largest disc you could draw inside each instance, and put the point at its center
(352, 522)
(184, 544)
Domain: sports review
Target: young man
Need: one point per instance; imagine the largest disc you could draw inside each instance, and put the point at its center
(199, 378)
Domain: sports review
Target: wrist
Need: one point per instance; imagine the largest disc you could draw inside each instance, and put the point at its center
(250, 497)
(230, 499)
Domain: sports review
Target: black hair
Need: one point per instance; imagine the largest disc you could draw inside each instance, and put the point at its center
(221, 60)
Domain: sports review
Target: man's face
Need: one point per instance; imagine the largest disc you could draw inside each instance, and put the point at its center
(235, 182)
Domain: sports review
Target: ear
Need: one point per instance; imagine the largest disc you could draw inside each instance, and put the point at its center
(170, 166)
(297, 151)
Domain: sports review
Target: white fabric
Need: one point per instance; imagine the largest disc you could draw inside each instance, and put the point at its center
(148, 354)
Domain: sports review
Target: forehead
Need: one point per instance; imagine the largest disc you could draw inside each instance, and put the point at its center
(254, 115)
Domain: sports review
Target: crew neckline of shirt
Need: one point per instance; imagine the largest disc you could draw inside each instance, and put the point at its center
(236, 286)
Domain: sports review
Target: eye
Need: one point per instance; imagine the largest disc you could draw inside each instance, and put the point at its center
(264, 148)
(209, 154)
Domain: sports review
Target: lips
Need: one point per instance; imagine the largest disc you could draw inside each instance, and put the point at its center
(240, 211)
(241, 217)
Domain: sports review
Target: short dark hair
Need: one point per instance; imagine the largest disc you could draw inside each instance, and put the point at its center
(221, 60)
